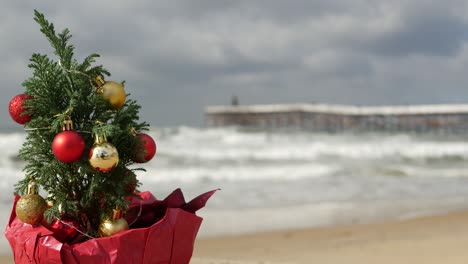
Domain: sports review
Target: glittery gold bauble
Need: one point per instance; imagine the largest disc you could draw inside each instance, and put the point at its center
(103, 156)
(112, 91)
(30, 207)
(110, 227)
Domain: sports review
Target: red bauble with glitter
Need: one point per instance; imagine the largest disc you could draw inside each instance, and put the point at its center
(68, 146)
(149, 147)
(16, 109)
(65, 229)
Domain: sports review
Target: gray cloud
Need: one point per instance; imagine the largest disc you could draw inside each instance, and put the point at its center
(178, 56)
(433, 29)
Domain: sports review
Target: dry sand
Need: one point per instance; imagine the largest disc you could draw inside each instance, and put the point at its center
(429, 240)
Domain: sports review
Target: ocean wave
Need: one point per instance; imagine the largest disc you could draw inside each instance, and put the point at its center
(343, 163)
(234, 144)
(241, 173)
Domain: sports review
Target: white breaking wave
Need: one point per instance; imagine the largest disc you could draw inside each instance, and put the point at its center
(231, 144)
(248, 172)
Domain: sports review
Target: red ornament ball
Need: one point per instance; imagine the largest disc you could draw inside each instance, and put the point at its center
(68, 146)
(16, 109)
(149, 147)
(65, 229)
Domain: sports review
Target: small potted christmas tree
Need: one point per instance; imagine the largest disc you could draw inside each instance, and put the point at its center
(84, 139)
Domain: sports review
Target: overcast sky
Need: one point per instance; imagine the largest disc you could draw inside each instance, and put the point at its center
(179, 56)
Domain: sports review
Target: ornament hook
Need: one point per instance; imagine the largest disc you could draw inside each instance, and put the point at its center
(133, 132)
(67, 123)
(99, 80)
(32, 187)
(99, 138)
(117, 213)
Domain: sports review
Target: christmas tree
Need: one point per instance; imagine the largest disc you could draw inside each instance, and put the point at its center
(83, 135)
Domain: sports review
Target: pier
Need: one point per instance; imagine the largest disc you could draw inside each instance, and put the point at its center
(336, 118)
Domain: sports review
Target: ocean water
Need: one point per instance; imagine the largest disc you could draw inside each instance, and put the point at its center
(273, 180)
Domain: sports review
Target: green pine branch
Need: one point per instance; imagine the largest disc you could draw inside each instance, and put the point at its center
(64, 88)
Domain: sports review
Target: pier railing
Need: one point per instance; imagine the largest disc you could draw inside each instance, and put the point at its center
(335, 118)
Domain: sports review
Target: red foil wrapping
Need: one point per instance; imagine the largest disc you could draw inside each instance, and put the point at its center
(162, 232)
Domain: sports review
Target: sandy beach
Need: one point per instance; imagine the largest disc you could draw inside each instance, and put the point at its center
(429, 240)
(435, 239)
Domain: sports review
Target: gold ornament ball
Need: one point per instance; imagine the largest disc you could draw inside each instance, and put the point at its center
(114, 93)
(30, 208)
(103, 157)
(111, 227)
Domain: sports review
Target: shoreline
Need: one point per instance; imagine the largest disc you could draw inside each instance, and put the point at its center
(429, 240)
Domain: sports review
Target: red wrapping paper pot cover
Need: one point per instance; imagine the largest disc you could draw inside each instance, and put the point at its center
(169, 237)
